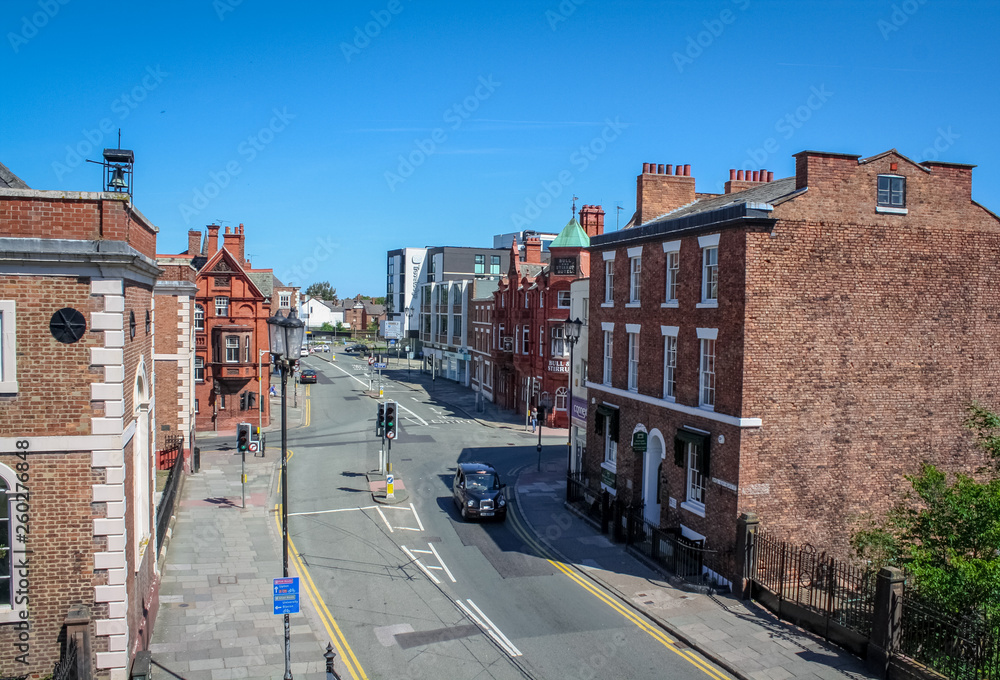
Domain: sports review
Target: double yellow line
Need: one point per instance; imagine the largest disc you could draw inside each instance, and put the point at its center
(329, 623)
(653, 631)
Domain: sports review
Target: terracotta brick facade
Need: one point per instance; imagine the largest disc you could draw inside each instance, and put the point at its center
(848, 340)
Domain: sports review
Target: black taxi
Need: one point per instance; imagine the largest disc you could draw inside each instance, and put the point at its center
(478, 493)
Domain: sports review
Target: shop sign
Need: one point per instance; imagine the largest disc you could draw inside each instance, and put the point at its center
(608, 478)
(556, 366)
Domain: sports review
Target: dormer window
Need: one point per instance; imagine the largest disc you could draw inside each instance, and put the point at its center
(891, 195)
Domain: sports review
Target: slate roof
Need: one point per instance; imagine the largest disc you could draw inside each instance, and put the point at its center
(764, 193)
(9, 180)
(706, 213)
(483, 289)
(572, 236)
(264, 281)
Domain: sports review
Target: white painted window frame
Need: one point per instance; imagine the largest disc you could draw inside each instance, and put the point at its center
(707, 372)
(8, 347)
(669, 362)
(632, 331)
(609, 279)
(672, 255)
(635, 276)
(12, 613)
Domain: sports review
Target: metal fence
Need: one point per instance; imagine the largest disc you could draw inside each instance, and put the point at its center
(684, 557)
(839, 592)
(166, 507)
(173, 444)
(962, 648)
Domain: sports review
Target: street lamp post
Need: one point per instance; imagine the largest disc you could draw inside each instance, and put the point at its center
(409, 316)
(571, 331)
(285, 335)
(260, 391)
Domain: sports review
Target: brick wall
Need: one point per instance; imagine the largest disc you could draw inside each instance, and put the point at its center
(45, 364)
(73, 215)
(60, 570)
(869, 333)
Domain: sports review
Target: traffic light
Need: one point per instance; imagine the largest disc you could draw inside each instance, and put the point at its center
(243, 401)
(243, 436)
(390, 420)
(380, 421)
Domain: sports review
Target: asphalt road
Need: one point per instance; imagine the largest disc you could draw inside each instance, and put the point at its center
(411, 591)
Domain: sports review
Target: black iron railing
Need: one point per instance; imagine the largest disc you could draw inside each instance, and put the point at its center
(166, 507)
(962, 648)
(839, 592)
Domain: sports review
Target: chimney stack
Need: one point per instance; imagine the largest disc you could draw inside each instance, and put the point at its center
(532, 250)
(741, 180)
(658, 193)
(232, 241)
(592, 220)
(212, 243)
(194, 242)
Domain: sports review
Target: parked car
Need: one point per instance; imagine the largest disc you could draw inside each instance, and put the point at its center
(304, 352)
(478, 493)
(359, 348)
(307, 376)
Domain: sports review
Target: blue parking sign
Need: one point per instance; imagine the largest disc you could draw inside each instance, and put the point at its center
(286, 595)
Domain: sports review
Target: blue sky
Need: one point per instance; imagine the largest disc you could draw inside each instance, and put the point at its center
(338, 131)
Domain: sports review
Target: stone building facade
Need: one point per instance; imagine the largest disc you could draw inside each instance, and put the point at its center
(792, 347)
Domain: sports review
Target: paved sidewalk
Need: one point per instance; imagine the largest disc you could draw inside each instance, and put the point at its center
(741, 636)
(216, 618)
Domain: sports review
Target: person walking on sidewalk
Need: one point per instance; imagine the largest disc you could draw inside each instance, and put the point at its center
(534, 419)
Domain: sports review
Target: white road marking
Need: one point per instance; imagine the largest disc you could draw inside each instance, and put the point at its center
(441, 562)
(362, 507)
(384, 519)
(417, 517)
(413, 558)
(402, 408)
(491, 629)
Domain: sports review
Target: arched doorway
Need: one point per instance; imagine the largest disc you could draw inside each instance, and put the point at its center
(141, 480)
(651, 467)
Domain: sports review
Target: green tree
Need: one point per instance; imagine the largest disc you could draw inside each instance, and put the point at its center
(326, 326)
(946, 535)
(322, 290)
(339, 327)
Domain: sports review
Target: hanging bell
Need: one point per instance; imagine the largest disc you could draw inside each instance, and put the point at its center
(118, 178)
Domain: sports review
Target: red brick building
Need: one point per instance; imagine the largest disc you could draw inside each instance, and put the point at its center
(791, 347)
(174, 293)
(77, 423)
(230, 331)
(359, 314)
(530, 354)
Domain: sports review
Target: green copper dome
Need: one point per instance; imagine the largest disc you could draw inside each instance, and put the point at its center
(572, 236)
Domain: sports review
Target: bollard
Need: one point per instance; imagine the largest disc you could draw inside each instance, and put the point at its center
(330, 655)
(196, 460)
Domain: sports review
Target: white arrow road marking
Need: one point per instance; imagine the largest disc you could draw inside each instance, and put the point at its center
(490, 628)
